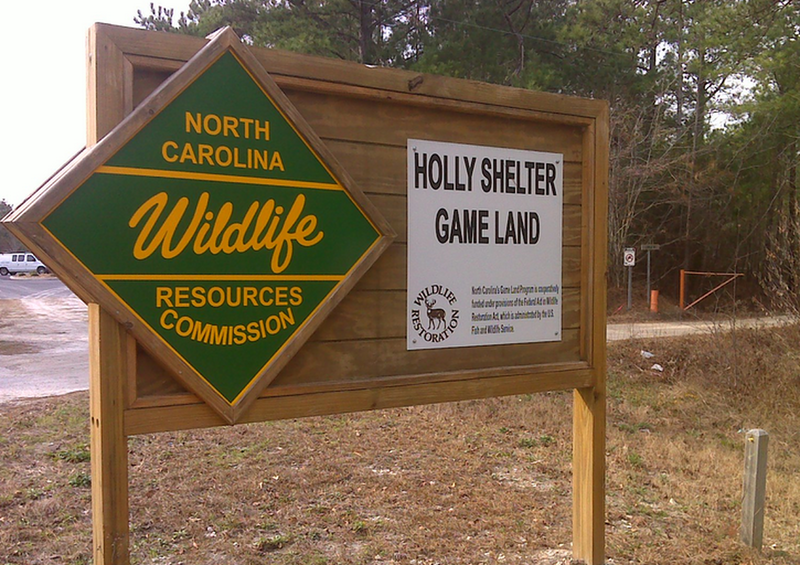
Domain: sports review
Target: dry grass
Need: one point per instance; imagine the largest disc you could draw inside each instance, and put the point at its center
(466, 483)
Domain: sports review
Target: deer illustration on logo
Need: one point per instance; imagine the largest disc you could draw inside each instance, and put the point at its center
(436, 316)
(442, 322)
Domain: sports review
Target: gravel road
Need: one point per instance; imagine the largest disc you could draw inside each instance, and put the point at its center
(618, 332)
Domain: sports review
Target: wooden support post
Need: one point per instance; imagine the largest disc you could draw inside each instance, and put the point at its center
(682, 290)
(588, 475)
(589, 403)
(106, 107)
(755, 487)
(109, 444)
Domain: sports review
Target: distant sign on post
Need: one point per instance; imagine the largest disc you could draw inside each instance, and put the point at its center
(629, 257)
(484, 245)
(650, 247)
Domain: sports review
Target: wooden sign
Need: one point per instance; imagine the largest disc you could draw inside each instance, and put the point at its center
(351, 348)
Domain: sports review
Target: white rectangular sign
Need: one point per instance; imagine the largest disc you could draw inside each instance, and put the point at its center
(629, 257)
(484, 245)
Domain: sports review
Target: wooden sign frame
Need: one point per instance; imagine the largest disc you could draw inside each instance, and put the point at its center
(355, 362)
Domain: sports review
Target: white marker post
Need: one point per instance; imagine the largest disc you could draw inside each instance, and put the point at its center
(755, 488)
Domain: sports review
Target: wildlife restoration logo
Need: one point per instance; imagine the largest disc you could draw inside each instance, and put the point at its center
(434, 317)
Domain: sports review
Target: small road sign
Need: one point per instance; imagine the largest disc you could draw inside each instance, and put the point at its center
(629, 257)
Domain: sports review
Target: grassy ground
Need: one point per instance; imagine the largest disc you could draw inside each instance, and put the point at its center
(466, 483)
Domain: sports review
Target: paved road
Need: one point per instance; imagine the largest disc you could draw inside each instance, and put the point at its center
(43, 339)
(14, 288)
(44, 343)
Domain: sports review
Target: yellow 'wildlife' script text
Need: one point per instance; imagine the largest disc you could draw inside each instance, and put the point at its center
(264, 226)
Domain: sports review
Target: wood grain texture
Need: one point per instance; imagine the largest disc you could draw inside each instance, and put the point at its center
(354, 120)
(187, 415)
(332, 365)
(589, 404)
(109, 443)
(109, 360)
(754, 486)
(145, 81)
(359, 360)
(588, 475)
(169, 47)
(106, 89)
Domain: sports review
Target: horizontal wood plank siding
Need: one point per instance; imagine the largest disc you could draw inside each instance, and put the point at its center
(365, 116)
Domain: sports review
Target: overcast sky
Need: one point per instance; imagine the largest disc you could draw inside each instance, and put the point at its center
(43, 91)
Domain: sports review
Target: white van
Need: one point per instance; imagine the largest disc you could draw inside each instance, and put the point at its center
(22, 262)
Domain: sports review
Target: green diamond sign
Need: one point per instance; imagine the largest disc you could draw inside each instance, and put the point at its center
(214, 223)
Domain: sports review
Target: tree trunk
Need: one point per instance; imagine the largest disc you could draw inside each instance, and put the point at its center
(792, 236)
(698, 141)
(365, 43)
(679, 88)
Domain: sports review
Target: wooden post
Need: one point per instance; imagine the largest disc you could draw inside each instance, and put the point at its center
(682, 293)
(589, 404)
(107, 103)
(588, 475)
(755, 487)
(109, 444)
